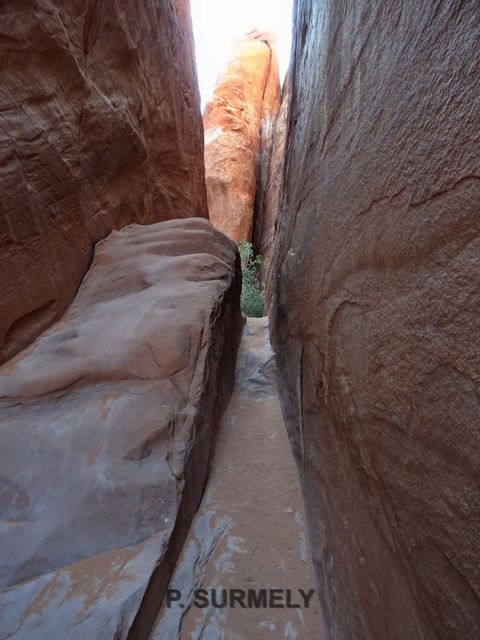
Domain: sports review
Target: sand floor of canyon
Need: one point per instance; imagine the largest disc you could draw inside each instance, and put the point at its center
(249, 532)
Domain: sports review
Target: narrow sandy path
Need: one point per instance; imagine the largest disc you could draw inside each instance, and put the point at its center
(249, 533)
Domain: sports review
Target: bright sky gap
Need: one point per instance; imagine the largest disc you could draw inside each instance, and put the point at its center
(218, 23)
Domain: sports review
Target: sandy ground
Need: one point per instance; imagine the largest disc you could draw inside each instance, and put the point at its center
(249, 533)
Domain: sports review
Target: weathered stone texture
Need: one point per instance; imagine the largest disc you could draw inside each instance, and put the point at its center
(236, 121)
(107, 425)
(270, 161)
(376, 318)
(99, 127)
(269, 199)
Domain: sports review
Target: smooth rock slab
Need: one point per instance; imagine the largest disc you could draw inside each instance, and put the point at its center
(107, 424)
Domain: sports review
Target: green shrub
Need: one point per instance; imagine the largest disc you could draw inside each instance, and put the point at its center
(252, 299)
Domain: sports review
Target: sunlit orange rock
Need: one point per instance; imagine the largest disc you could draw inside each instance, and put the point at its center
(237, 120)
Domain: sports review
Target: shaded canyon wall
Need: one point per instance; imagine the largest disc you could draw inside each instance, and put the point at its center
(376, 313)
(238, 123)
(268, 200)
(100, 126)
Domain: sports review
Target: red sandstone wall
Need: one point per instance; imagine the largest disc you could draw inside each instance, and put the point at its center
(237, 121)
(376, 314)
(100, 126)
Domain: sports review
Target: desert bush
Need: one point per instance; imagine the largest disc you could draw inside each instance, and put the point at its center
(252, 300)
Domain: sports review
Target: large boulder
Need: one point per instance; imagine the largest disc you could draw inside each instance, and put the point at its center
(100, 126)
(107, 425)
(376, 319)
(238, 123)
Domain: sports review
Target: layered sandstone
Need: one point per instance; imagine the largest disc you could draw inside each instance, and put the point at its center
(99, 127)
(375, 319)
(107, 425)
(238, 124)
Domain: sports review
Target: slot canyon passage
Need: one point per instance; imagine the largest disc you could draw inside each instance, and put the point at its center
(154, 441)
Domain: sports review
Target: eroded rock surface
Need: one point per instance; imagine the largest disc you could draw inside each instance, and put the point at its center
(107, 424)
(100, 126)
(376, 317)
(238, 124)
(269, 198)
